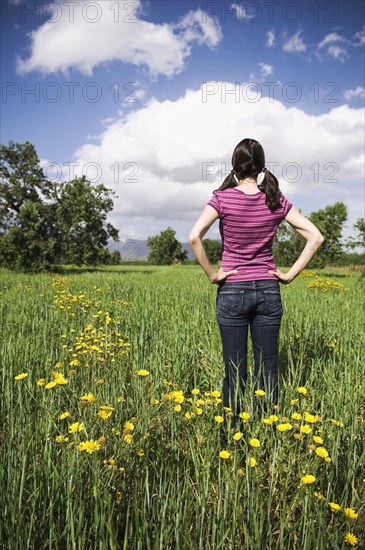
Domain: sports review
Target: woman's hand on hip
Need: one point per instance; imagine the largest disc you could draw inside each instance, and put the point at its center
(220, 275)
(283, 277)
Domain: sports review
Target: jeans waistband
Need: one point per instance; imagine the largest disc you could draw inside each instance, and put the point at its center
(251, 285)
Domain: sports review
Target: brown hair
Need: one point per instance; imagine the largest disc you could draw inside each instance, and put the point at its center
(248, 160)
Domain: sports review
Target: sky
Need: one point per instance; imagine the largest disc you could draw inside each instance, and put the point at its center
(150, 99)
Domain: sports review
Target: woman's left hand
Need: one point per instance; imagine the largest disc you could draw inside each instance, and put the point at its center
(221, 275)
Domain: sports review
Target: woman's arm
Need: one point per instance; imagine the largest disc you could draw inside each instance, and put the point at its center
(314, 239)
(201, 226)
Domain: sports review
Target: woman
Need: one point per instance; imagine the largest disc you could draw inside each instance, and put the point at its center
(248, 281)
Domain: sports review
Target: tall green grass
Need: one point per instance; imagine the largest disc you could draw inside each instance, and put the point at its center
(168, 487)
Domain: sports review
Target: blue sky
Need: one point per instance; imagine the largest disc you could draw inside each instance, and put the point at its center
(138, 93)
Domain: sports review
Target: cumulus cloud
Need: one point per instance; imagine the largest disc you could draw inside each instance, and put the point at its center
(358, 92)
(295, 44)
(337, 52)
(83, 38)
(165, 159)
(264, 70)
(335, 45)
(359, 37)
(270, 39)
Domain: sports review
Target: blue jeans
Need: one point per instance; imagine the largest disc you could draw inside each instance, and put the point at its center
(238, 305)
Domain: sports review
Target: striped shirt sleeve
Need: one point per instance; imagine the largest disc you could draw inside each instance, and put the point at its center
(286, 204)
(214, 202)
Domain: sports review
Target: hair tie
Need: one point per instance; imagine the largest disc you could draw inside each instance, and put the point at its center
(264, 169)
(232, 172)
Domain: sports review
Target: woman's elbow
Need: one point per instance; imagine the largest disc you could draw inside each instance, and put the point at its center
(193, 237)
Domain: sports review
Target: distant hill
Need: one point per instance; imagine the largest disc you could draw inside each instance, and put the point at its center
(134, 249)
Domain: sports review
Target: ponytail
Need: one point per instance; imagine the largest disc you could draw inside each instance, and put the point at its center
(270, 186)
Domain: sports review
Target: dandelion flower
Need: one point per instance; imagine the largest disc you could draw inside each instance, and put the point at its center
(305, 429)
(88, 397)
(310, 418)
(224, 455)
(241, 472)
(216, 393)
(219, 419)
(260, 393)
(284, 427)
(41, 382)
(273, 418)
(237, 436)
(187, 415)
(337, 423)
(89, 446)
(244, 416)
(252, 462)
(255, 443)
(302, 390)
(21, 376)
(128, 438)
(322, 452)
(294, 401)
(51, 385)
(75, 427)
(317, 439)
(350, 513)
(267, 421)
(319, 495)
(195, 391)
(308, 479)
(64, 415)
(334, 507)
(351, 539)
(143, 372)
(296, 416)
(139, 452)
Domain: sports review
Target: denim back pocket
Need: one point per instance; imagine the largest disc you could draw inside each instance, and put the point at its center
(273, 303)
(229, 303)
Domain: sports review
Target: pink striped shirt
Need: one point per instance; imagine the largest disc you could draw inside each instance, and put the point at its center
(247, 227)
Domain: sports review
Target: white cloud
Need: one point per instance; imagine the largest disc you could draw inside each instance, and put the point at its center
(329, 38)
(240, 11)
(359, 37)
(338, 53)
(164, 146)
(358, 92)
(295, 44)
(61, 44)
(270, 39)
(266, 69)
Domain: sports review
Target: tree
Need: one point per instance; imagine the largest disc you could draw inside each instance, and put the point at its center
(43, 223)
(330, 222)
(359, 239)
(287, 245)
(81, 211)
(27, 233)
(165, 248)
(213, 249)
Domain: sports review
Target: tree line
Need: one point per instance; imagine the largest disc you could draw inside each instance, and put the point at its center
(43, 224)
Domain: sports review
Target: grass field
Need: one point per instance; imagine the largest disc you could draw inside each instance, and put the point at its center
(111, 411)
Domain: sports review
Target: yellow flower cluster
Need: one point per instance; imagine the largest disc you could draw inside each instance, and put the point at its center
(324, 284)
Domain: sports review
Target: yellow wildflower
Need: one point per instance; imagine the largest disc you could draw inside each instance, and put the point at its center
(273, 418)
(244, 416)
(284, 427)
(259, 393)
(89, 446)
(305, 429)
(296, 416)
(21, 376)
(302, 390)
(143, 372)
(294, 401)
(255, 443)
(308, 479)
(310, 418)
(195, 391)
(41, 382)
(319, 495)
(219, 419)
(322, 452)
(51, 385)
(237, 436)
(88, 397)
(252, 462)
(267, 421)
(128, 438)
(177, 408)
(317, 439)
(216, 393)
(350, 513)
(224, 455)
(64, 415)
(75, 427)
(334, 507)
(351, 539)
